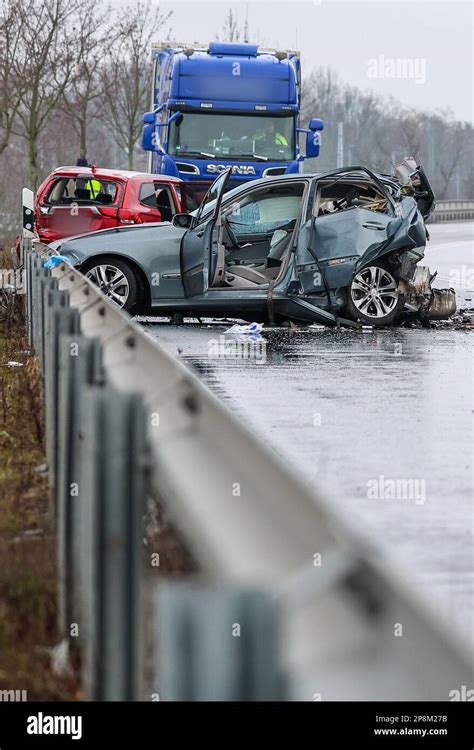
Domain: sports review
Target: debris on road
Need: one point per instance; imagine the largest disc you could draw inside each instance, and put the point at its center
(250, 331)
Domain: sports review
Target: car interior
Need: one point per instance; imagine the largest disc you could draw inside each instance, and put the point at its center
(69, 190)
(254, 235)
(154, 195)
(339, 195)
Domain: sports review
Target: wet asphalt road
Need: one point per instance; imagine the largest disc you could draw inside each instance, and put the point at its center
(353, 409)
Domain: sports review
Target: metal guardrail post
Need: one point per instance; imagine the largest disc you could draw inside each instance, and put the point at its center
(24, 279)
(42, 280)
(79, 364)
(58, 318)
(28, 258)
(37, 274)
(216, 644)
(47, 285)
(111, 502)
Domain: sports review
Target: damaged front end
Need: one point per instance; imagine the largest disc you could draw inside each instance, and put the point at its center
(424, 301)
(415, 282)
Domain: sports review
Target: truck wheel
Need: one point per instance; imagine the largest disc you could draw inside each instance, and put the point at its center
(373, 297)
(117, 280)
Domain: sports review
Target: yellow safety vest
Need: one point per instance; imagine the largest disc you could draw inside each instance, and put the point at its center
(279, 139)
(94, 187)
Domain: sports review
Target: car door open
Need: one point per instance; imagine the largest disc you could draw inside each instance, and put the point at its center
(197, 246)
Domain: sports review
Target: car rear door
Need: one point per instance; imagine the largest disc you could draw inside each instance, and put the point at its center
(200, 241)
(330, 245)
(155, 201)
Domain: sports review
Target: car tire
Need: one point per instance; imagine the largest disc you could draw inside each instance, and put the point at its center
(373, 297)
(118, 281)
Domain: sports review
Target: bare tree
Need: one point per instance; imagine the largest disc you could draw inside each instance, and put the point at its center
(128, 75)
(232, 30)
(412, 130)
(82, 99)
(10, 81)
(453, 153)
(46, 62)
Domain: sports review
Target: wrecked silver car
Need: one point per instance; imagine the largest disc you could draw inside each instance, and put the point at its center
(341, 247)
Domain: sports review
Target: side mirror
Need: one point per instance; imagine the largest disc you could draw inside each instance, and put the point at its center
(183, 221)
(148, 138)
(149, 118)
(313, 144)
(316, 124)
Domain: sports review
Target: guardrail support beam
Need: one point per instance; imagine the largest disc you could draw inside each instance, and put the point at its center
(216, 644)
(111, 501)
(79, 364)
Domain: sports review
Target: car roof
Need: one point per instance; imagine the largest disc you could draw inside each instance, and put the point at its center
(113, 173)
(317, 175)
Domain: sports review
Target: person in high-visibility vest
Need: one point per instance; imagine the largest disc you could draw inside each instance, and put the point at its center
(94, 187)
(270, 135)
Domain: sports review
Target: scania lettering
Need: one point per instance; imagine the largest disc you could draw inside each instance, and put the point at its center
(218, 168)
(226, 105)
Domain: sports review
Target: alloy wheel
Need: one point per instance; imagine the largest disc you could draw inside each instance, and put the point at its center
(111, 281)
(374, 292)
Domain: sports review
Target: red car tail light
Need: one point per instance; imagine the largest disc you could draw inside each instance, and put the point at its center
(126, 216)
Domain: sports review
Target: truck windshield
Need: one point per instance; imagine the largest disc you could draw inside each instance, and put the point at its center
(232, 136)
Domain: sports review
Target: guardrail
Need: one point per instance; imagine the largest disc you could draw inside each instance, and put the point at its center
(459, 210)
(286, 601)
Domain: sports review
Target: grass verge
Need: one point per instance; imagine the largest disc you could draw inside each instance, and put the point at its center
(28, 579)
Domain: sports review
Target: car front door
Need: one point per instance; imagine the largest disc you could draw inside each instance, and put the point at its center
(197, 243)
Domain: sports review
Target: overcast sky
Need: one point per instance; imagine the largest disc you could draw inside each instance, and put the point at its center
(362, 41)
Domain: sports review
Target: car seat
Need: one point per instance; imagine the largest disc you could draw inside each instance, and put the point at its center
(255, 275)
(82, 194)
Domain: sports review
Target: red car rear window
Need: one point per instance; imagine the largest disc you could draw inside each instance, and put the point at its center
(83, 189)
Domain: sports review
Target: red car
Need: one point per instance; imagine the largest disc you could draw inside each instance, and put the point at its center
(76, 200)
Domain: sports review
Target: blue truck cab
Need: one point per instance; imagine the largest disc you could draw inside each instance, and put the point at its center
(226, 105)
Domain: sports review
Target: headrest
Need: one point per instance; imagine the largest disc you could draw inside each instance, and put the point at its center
(82, 194)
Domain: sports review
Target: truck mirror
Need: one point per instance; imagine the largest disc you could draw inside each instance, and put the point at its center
(175, 117)
(148, 137)
(149, 118)
(313, 144)
(316, 124)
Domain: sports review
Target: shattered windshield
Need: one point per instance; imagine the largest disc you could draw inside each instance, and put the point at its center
(260, 138)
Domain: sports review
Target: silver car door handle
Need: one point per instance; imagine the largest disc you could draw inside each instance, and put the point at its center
(200, 234)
